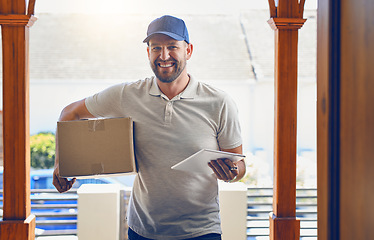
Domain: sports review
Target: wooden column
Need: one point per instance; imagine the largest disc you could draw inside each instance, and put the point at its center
(17, 222)
(286, 19)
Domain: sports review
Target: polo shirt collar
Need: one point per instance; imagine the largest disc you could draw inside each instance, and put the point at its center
(154, 90)
(191, 89)
(189, 92)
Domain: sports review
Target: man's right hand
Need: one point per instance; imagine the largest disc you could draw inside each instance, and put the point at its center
(61, 184)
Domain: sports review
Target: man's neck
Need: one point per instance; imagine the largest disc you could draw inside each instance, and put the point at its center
(174, 88)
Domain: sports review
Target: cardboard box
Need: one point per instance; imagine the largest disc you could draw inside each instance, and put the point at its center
(96, 147)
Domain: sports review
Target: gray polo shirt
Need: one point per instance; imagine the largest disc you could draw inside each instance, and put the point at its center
(165, 203)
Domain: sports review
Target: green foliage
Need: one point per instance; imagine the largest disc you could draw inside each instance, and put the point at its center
(42, 147)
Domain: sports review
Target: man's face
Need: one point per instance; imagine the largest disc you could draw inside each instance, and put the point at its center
(168, 57)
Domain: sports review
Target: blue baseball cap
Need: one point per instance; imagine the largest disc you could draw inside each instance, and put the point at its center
(170, 26)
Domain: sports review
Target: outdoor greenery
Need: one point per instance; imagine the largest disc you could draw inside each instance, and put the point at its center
(42, 147)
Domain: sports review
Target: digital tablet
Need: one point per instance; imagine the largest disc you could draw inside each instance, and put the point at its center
(198, 162)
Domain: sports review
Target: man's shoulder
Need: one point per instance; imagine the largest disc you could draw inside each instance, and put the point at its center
(141, 84)
(205, 89)
(214, 95)
(144, 81)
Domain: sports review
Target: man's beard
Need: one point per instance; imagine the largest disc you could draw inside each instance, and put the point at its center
(178, 69)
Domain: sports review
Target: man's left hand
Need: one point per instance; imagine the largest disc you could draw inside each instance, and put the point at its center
(224, 169)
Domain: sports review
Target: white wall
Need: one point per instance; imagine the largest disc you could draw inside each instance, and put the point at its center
(155, 7)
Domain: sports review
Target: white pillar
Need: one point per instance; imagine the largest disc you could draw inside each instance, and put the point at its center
(233, 210)
(99, 211)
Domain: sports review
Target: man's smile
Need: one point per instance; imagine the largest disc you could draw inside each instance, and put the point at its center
(165, 64)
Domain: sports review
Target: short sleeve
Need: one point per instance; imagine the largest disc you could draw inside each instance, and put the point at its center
(107, 103)
(229, 132)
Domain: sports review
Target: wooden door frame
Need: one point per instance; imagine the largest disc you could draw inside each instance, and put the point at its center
(328, 119)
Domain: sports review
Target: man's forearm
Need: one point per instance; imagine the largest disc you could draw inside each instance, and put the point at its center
(74, 111)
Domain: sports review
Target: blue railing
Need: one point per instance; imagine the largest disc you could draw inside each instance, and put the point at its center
(259, 205)
(56, 214)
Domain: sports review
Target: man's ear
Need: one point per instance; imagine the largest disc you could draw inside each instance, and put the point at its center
(148, 52)
(189, 50)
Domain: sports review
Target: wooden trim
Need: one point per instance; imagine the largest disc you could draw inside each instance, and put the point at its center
(334, 121)
(17, 222)
(15, 19)
(328, 119)
(283, 222)
(18, 229)
(356, 119)
(16, 122)
(284, 228)
(288, 9)
(285, 97)
(31, 7)
(286, 23)
(272, 8)
(323, 115)
(12, 7)
(301, 8)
